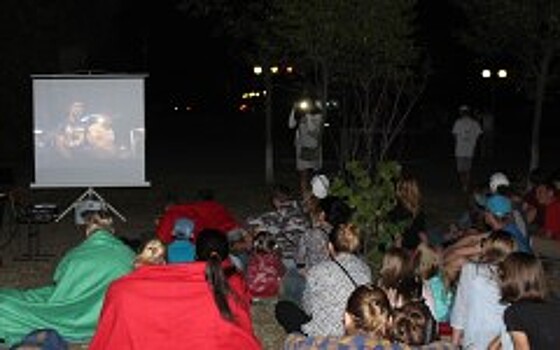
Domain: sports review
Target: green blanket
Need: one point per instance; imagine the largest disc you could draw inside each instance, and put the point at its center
(71, 305)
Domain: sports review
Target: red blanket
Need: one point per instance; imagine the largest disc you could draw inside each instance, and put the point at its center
(204, 214)
(172, 307)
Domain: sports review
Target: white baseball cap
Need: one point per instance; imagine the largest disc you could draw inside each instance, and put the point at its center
(497, 180)
(320, 186)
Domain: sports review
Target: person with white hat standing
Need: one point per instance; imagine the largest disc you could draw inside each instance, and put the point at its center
(466, 131)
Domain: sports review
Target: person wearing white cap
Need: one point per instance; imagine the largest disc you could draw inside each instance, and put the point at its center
(466, 131)
(500, 184)
(320, 186)
(497, 180)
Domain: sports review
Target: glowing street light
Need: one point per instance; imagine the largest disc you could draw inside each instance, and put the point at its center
(486, 73)
(274, 69)
(502, 73)
(257, 70)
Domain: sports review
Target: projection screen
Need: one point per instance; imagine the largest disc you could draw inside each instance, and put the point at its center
(88, 130)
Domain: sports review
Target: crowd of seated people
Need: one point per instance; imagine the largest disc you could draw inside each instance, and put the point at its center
(193, 284)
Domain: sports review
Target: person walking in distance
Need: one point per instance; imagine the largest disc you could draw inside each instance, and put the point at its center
(466, 131)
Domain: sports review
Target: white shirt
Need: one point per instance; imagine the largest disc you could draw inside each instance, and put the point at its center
(308, 129)
(466, 131)
(477, 310)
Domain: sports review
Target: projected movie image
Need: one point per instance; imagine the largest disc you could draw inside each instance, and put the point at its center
(89, 132)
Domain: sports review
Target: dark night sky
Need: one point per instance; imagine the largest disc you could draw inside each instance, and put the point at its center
(184, 57)
(187, 61)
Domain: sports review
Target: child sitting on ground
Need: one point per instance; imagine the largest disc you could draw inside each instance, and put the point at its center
(413, 324)
(181, 249)
(153, 253)
(265, 268)
(436, 293)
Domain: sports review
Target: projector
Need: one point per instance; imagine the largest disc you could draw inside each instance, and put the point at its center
(85, 206)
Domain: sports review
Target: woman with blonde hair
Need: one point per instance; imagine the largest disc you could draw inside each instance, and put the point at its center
(409, 209)
(477, 314)
(398, 278)
(153, 253)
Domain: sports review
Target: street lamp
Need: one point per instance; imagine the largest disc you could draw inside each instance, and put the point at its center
(488, 118)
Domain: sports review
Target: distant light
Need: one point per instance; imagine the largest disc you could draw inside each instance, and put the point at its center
(486, 73)
(326, 125)
(502, 73)
(189, 108)
(289, 69)
(264, 92)
(245, 96)
(176, 108)
(274, 70)
(257, 70)
(304, 105)
(243, 107)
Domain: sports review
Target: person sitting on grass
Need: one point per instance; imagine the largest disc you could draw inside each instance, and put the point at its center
(330, 283)
(312, 247)
(398, 278)
(181, 249)
(71, 304)
(369, 323)
(497, 216)
(531, 316)
(549, 200)
(265, 268)
(153, 253)
(413, 324)
(208, 298)
(286, 222)
(366, 324)
(477, 314)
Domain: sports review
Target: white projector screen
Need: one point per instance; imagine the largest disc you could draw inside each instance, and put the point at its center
(88, 130)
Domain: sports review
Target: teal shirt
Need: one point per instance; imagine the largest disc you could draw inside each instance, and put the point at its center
(443, 298)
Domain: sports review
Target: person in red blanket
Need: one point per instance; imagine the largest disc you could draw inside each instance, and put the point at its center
(199, 305)
(206, 214)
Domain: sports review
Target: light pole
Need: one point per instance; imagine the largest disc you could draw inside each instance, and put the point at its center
(489, 116)
(489, 74)
(267, 73)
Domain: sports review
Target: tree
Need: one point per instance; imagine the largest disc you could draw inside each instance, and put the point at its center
(373, 197)
(251, 25)
(366, 51)
(526, 31)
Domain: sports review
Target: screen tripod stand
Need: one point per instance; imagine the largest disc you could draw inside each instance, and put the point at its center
(91, 195)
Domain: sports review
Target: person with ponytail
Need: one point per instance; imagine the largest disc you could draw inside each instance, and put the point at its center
(203, 304)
